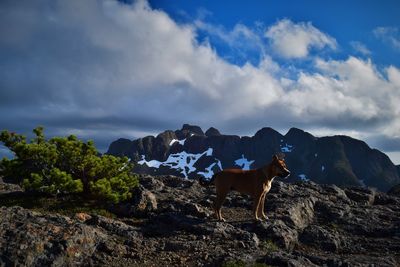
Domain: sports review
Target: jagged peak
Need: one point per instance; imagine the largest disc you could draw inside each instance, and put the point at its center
(168, 134)
(192, 128)
(267, 131)
(294, 132)
(212, 132)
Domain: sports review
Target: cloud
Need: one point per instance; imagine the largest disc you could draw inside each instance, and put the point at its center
(241, 44)
(390, 35)
(295, 40)
(102, 70)
(360, 48)
(351, 93)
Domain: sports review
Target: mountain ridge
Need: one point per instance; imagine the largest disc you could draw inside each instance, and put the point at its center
(190, 152)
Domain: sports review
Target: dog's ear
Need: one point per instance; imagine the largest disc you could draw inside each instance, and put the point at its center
(281, 156)
(275, 157)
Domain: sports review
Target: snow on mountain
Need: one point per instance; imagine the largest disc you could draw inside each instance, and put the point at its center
(181, 142)
(208, 173)
(244, 163)
(303, 177)
(286, 148)
(181, 161)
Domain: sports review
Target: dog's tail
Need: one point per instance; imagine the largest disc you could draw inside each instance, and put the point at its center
(204, 182)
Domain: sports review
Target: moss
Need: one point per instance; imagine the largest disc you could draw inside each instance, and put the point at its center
(269, 246)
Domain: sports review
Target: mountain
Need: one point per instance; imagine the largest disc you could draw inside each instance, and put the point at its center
(189, 152)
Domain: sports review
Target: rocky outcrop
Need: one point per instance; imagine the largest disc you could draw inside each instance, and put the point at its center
(339, 160)
(212, 132)
(308, 225)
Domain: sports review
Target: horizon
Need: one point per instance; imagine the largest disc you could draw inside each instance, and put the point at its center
(112, 69)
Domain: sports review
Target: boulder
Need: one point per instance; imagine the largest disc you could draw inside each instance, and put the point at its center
(143, 202)
(320, 238)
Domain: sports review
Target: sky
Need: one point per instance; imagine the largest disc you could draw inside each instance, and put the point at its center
(105, 69)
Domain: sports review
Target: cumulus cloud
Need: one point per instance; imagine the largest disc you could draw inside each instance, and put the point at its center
(103, 70)
(360, 48)
(390, 35)
(350, 91)
(110, 60)
(295, 40)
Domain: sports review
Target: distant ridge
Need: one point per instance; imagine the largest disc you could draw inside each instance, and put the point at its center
(189, 152)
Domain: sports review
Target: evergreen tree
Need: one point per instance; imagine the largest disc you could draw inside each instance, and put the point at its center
(66, 165)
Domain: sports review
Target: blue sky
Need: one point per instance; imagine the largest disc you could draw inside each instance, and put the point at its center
(346, 21)
(104, 69)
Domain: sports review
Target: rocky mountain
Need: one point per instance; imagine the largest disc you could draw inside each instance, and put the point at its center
(309, 225)
(189, 152)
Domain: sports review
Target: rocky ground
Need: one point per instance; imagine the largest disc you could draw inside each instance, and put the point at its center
(171, 224)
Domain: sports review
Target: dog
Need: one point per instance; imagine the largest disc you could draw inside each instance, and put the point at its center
(255, 183)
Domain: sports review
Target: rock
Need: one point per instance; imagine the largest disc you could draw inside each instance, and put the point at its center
(361, 195)
(301, 213)
(150, 183)
(282, 258)
(143, 202)
(276, 231)
(83, 217)
(320, 238)
(212, 132)
(9, 188)
(187, 130)
(32, 239)
(114, 226)
(196, 210)
(308, 225)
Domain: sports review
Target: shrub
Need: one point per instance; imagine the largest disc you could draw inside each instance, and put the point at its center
(66, 165)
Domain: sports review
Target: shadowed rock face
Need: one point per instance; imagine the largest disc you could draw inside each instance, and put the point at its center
(212, 132)
(308, 225)
(339, 160)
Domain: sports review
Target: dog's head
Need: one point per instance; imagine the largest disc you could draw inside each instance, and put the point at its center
(279, 167)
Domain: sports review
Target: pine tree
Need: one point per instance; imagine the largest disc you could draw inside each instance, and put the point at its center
(66, 165)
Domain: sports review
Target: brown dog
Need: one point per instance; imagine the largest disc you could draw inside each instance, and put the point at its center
(255, 183)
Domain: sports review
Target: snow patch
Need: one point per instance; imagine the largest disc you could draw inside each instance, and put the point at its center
(286, 148)
(316, 154)
(363, 183)
(181, 161)
(181, 142)
(244, 163)
(322, 168)
(303, 177)
(152, 163)
(219, 165)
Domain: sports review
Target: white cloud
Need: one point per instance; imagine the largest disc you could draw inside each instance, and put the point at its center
(360, 48)
(107, 67)
(351, 92)
(295, 40)
(390, 35)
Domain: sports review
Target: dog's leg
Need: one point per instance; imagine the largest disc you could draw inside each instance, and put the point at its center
(256, 205)
(263, 205)
(260, 212)
(221, 195)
